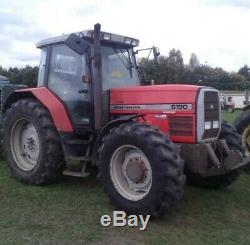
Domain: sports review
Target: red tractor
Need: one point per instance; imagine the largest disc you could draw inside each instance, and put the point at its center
(89, 109)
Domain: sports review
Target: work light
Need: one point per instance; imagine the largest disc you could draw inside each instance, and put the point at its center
(127, 40)
(106, 36)
(135, 42)
(208, 125)
(215, 124)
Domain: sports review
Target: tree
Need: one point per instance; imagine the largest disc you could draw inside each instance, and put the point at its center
(174, 67)
(171, 69)
(244, 71)
(3, 71)
(26, 76)
(193, 62)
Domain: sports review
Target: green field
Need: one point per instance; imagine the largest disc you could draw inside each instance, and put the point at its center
(230, 116)
(69, 212)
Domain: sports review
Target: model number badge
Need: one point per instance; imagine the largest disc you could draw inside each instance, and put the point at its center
(179, 107)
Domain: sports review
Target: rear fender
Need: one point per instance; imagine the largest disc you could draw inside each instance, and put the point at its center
(55, 107)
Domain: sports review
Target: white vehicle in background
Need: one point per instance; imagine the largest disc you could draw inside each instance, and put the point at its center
(231, 100)
(4, 80)
(227, 103)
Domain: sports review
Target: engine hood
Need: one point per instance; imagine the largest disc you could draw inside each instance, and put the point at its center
(160, 98)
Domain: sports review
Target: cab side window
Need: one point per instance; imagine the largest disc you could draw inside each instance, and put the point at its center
(65, 80)
(41, 73)
(66, 71)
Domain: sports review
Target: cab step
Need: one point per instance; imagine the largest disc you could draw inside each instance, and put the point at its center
(79, 142)
(78, 158)
(75, 174)
(81, 174)
(73, 139)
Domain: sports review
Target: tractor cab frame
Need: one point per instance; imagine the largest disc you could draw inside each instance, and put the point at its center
(71, 66)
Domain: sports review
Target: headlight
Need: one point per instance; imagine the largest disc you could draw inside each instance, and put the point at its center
(215, 124)
(208, 125)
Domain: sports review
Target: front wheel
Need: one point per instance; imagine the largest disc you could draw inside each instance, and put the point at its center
(140, 169)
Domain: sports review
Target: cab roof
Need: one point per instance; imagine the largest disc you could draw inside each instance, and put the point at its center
(106, 37)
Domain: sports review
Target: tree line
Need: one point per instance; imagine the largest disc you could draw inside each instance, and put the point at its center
(26, 75)
(168, 69)
(171, 69)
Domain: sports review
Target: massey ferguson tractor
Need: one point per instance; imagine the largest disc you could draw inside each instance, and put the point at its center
(89, 109)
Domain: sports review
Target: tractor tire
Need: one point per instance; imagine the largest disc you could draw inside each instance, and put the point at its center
(233, 140)
(242, 125)
(140, 169)
(32, 146)
(230, 134)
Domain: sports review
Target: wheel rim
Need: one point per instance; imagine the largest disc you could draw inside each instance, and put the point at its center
(131, 172)
(246, 140)
(25, 144)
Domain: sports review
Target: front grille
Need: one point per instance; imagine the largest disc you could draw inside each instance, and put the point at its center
(180, 125)
(212, 112)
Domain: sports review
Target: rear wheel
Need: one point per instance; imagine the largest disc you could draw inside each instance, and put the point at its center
(31, 143)
(234, 142)
(242, 125)
(140, 169)
(25, 144)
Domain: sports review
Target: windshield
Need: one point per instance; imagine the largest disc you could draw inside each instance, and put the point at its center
(118, 68)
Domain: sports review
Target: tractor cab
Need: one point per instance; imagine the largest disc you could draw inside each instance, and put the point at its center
(66, 68)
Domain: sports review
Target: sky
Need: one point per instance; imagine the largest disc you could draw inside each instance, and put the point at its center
(217, 31)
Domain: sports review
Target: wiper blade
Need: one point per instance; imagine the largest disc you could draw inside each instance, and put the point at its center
(128, 64)
(122, 60)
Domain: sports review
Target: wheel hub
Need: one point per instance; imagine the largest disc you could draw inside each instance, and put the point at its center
(25, 144)
(131, 172)
(30, 144)
(135, 170)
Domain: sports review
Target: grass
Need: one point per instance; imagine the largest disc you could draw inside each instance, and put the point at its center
(69, 213)
(230, 116)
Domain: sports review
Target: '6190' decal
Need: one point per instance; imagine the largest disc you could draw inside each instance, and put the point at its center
(152, 107)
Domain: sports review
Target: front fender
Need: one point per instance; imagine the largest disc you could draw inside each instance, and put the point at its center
(106, 129)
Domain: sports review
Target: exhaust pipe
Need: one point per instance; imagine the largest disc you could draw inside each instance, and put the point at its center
(97, 77)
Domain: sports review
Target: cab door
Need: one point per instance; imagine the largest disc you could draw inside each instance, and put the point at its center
(66, 70)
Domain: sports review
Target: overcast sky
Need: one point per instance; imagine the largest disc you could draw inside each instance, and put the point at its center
(216, 30)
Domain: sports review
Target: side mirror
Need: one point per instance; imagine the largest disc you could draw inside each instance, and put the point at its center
(76, 43)
(156, 52)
